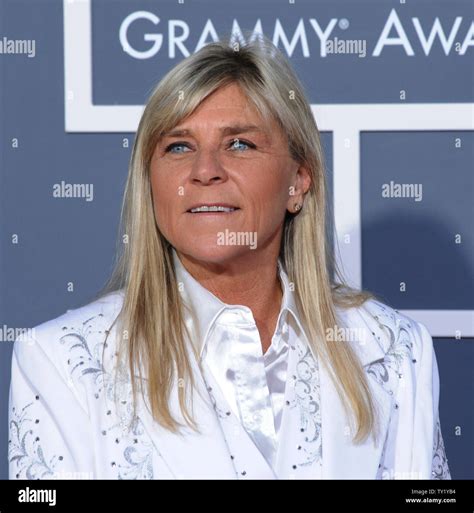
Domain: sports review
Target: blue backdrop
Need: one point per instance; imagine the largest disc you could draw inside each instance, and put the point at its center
(69, 108)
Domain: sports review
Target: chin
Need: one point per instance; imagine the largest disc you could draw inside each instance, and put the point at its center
(212, 252)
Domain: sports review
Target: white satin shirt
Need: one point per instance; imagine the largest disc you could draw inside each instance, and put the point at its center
(230, 347)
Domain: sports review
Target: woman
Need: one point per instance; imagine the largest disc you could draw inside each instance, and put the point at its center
(222, 347)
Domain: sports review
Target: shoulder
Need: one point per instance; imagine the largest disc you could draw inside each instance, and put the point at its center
(385, 333)
(97, 314)
(77, 330)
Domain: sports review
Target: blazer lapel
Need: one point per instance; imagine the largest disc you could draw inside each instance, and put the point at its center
(191, 455)
(343, 459)
(315, 439)
(299, 439)
(248, 461)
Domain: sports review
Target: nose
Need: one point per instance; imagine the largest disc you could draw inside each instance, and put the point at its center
(207, 168)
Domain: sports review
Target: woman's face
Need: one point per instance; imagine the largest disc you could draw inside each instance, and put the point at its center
(224, 155)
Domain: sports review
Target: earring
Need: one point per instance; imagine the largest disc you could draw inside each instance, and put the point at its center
(297, 207)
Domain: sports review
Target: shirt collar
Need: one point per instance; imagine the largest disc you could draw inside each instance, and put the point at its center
(208, 307)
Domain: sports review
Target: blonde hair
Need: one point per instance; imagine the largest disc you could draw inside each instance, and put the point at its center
(152, 311)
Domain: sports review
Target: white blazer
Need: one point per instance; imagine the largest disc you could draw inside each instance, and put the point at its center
(63, 422)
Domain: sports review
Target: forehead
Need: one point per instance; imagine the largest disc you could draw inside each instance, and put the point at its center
(230, 111)
(226, 97)
(228, 103)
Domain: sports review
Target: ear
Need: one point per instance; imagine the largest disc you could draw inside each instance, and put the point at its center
(300, 185)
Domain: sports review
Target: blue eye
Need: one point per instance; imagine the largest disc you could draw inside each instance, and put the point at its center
(236, 142)
(173, 146)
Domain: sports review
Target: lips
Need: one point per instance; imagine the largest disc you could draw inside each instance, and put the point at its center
(201, 208)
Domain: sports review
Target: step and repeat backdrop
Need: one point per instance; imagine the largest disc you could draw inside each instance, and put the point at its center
(391, 84)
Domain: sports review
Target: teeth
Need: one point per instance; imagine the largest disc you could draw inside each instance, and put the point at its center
(212, 209)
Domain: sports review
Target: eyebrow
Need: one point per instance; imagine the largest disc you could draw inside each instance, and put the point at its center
(225, 130)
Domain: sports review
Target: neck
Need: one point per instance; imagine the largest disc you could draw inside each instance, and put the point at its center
(250, 280)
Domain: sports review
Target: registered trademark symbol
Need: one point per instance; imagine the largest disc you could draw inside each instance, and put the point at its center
(343, 23)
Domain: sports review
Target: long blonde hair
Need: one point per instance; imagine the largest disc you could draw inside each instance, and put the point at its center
(152, 313)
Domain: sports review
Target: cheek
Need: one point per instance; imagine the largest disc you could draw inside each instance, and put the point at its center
(272, 192)
(164, 194)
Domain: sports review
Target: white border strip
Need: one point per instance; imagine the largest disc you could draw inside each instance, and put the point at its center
(345, 121)
(445, 323)
(80, 114)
